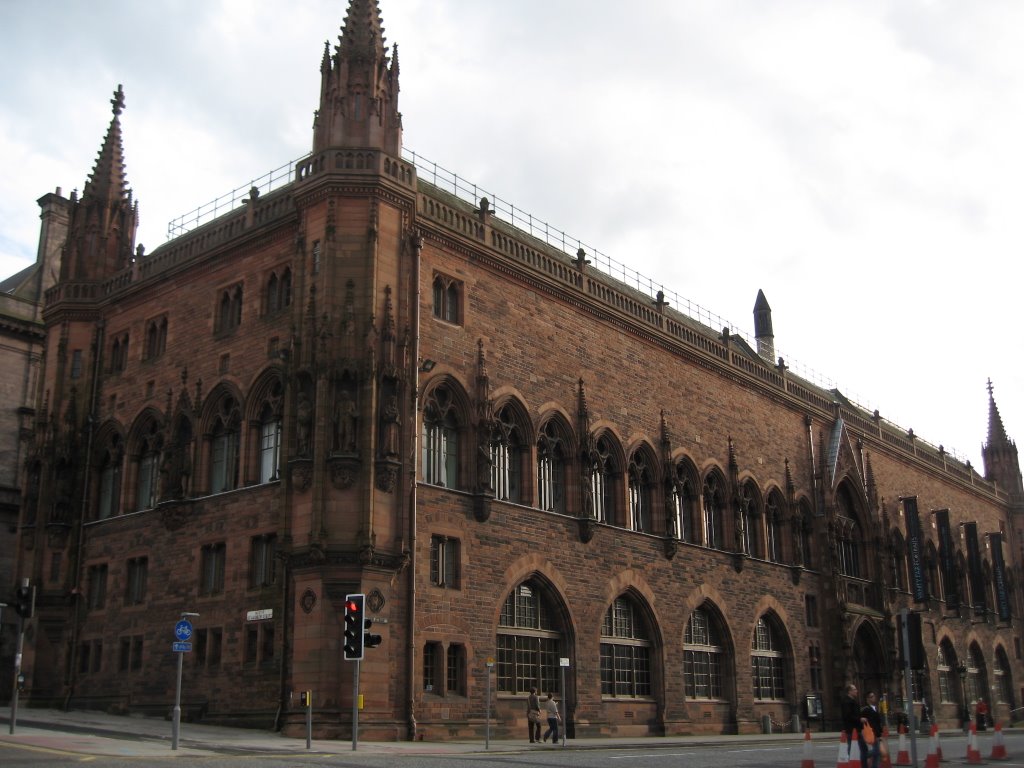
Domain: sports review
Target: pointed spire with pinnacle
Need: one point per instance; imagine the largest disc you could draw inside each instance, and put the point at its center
(101, 235)
(763, 332)
(359, 88)
(999, 454)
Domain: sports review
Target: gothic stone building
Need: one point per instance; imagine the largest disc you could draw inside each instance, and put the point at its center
(361, 382)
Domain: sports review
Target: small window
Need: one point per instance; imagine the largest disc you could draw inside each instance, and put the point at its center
(278, 291)
(447, 299)
(156, 337)
(119, 353)
(455, 669)
(261, 564)
(432, 668)
(211, 578)
(135, 583)
(444, 562)
(229, 310)
(76, 364)
(129, 657)
(811, 610)
(207, 646)
(97, 587)
(90, 656)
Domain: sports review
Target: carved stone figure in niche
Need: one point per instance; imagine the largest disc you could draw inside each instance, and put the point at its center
(483, 465)
(177, 464)
(304, 419)
(391, 420)
(345, 423)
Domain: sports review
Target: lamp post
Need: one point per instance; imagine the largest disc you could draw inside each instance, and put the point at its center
(961, 669)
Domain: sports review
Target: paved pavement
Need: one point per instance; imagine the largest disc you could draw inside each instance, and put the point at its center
(98, 733)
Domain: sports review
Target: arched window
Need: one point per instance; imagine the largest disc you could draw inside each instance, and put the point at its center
(229, 311)
(949, 683)
(767, 661)
(272, 294)
(278, 291)
(848, 534)
(148, 468)
(931, 568)
(551, 467)
(156, 337)
(625, 651)
(286, 289)
(506, 456)
(804, 538)
(1002, 683)
(446, 299)
(898, 563)
(976, 683)
(440, 439)
(641, 493)
(224, 446)
(529, 643)
(684, 497)
(602, 482)
(704, 656)
(270, 445)
(774, 518)
(714, 505)
(109, 503)
(749, 509)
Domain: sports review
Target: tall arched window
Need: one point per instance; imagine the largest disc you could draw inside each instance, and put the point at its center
(270, 444)
(704, 656)
(446, 299)
(714, 519)
(625, 651)
(749, 509)
(803, 537)
(148, 468)
(949, 683)
(224, 446)
(506, 456)
(440, 439)
(848, 534)
(684, 497)
(1002, 683)
(551, 466)
(109, 502)
(977, 679)
(774, 518)
(602, 482)
(897, 562)
(641, 493)
(767, 660)
(529, 642)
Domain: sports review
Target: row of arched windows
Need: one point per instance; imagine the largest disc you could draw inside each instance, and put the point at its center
(531, 638)
(239, 444)
(536, 466)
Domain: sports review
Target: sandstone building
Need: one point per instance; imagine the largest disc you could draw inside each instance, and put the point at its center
(363, 382)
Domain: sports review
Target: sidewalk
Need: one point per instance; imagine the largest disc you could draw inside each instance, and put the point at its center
(98, 733)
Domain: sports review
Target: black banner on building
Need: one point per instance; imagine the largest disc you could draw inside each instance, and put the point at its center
(974, 568)
(915, 550)
(999, 575)
(949, 582)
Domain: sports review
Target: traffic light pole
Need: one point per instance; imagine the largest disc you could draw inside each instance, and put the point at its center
(355, 707)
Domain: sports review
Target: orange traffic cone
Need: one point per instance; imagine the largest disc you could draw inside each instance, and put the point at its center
(938, 742)
(932, 761)
(854, 759)
(843, 759)
(903, 756)
(973, 753)
(884, 760)
(998, 745)
(808, 761)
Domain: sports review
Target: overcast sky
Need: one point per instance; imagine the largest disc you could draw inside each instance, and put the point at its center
(861, 162)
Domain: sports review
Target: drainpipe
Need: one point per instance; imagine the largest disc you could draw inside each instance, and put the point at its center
(416, 241)
(90, 423)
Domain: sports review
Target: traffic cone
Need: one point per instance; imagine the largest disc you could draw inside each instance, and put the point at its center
(808, 761)
(973, 753)
(932, 761)
(938, 742)
(884, 761)
(843, 759)
(903, 755)
(998, 745)
(854, 760)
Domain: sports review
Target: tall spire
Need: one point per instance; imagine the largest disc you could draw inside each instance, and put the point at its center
(101, 235)
(763, 328)
(996, 431)
(359, 88)
(1000, 453)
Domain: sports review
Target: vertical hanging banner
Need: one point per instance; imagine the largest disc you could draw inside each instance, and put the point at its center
(999, 576)
(974, 568)
(915, 550)
(949, 583)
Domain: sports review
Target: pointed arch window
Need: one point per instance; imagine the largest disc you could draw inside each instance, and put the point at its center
(897, 563)
(551, 468)
(1002, 683)
(506, 457)
(148, 469)
(529, 642)
(224, 447)
(109, 502)
(803, 536)
(751, 520)
(156, 337)
(976, 683)
(270, 445)
(278, 291)
(641, 493)
(704, 657)
(773, 518)
(949, 685)
(848, 546)
(447, 294)
(229, 310)
(714, 518)
(602, 482)
(683, 498)
(440, 439)
(767, 661)
(625, 652)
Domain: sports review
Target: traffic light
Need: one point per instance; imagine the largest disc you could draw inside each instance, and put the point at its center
(354, 627)
(370, 641)
(24, 601)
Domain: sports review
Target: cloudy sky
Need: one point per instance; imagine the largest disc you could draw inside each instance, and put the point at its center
(859, 161)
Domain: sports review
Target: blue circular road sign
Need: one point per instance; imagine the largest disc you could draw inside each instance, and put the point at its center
(183, 630)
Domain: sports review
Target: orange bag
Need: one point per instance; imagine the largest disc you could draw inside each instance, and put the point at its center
(868, 733)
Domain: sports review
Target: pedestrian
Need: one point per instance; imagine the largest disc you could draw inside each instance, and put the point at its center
(551, 707)
(873, 716)
(981, 711)
(853, 722)
(533, 715)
